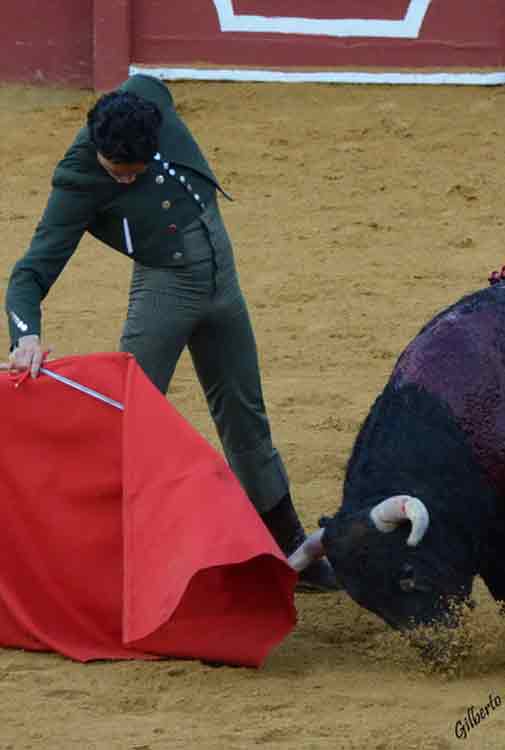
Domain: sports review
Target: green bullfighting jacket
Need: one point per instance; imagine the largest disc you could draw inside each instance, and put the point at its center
(143, 220)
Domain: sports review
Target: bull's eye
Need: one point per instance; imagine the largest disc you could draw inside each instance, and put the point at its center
(407, 584)
(411, 582)
(423, 584)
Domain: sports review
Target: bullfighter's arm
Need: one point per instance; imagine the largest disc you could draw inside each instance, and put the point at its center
(67, 216)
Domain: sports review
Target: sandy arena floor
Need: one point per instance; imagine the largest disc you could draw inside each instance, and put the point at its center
(358, 213)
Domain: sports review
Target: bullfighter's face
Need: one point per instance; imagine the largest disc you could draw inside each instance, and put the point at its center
(404, 586)
(124, 173)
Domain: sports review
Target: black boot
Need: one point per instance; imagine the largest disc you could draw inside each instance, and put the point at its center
(285, 527)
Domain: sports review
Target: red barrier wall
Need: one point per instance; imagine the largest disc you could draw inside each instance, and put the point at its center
(94, 42)
(47, 41)
(112, 27)
(460, 33)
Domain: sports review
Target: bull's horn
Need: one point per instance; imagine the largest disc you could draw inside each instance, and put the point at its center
(388, 514)
(311, 549)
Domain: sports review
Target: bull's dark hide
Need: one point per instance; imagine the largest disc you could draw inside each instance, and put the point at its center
(436, 432)
(459, 357)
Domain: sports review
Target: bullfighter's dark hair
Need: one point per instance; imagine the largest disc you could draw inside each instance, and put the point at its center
(124, 127)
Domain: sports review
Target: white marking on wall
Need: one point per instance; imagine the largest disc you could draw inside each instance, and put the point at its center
(406, 28)
(276, 76)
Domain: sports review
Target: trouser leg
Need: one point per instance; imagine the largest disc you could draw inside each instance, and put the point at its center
(164, 307)
(224, 354)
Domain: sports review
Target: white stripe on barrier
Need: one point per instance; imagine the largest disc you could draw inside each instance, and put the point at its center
(406, 28)
(495, 78)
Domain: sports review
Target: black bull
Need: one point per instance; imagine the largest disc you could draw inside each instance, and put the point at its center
(436, 433)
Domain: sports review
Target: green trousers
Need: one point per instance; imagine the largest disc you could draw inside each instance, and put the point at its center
(199, 304)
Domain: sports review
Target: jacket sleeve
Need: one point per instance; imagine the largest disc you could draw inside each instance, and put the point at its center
(67, 216)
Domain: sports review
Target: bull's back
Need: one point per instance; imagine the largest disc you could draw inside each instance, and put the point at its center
(459, 357)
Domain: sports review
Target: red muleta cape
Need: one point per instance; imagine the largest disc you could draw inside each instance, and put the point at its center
(124, 533)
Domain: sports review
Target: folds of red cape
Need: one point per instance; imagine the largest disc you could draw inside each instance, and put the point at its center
(124, 533)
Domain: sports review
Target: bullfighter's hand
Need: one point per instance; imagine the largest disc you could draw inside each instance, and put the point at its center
(28, 355)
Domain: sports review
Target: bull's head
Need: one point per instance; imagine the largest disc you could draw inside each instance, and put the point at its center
(403, 581)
